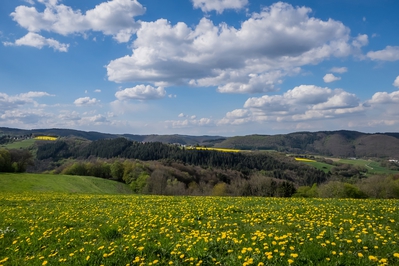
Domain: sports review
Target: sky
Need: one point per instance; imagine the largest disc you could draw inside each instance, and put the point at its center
(200, 67)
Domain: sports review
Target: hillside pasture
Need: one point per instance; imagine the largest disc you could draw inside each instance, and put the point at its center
(26, 182)
(23, 144)
(373, 167)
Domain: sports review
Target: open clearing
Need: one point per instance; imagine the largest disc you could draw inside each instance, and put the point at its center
(23, 144)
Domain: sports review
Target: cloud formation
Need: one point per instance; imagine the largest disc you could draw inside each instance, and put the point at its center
(251, 59)
(396, 82)
(219, 5)
(301, 103)
(390, 53)
(86, 101)
(339, 70)
(36, 40)
(141, 92)
(115, 18)
(330, 78)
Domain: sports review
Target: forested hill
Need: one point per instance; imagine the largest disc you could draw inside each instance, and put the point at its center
(280, 167)
(92, 135)
(329, 143)
(341, 143)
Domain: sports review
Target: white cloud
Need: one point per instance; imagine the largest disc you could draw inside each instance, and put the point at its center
(360, 41)
(181, 115)
(253, 58)
(85, 101)
(330, 78)
(339, 70)
(219, 5)
(30, 2)
(141, 92)
(114, 17)
(191, 122)
(390, 53)
(21, 109)
(385, 98)
(98, 91)
(304, 102)
(36, 40)
(12, 102)
(396, 82)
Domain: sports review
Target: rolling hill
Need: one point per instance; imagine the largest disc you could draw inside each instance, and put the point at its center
(342, 143)
(26, 182)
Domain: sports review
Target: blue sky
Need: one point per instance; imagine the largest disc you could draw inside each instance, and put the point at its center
(200, 67)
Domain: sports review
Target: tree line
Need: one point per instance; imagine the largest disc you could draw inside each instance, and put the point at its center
(15, 160)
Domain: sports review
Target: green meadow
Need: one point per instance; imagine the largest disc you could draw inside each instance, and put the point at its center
(52, 221)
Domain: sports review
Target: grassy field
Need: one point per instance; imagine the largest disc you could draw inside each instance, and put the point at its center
(372, 166)
(321, 166)
(17, 183)
(79, 229)
(23, 144)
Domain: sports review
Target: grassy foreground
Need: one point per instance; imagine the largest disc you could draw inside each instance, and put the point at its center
(59, 183)
(78, 229)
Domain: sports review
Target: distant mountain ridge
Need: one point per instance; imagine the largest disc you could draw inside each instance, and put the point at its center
(93, 135)
(342, 143)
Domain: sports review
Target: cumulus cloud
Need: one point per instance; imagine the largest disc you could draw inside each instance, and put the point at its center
(390, 53)
(330, 78)
(360, 41)
(114, 17)
(339, 70)
(36, 40)
(254, 58)
(11, 102)
(304, 102)
(396, 82)
(97, 90)
(141, 92)
(85, 101)
(385, 98)
(191, 122)
(21, 109)
(219, 5)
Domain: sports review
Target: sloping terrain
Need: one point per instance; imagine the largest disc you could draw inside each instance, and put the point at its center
(24, 182)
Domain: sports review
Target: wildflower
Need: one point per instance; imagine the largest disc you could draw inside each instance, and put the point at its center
(360, 255)
(4, 260)
(373, 258)
(290, 261)
(45, 262)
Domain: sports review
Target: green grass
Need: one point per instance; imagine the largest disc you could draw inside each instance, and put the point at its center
(321, 166)
(25, 182)
(23, 144)
(373, 167)
(79, 229)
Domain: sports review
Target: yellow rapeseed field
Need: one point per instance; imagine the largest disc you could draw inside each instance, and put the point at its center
(214, 149)
(304, 160)
(45, 138)
(72, 229)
